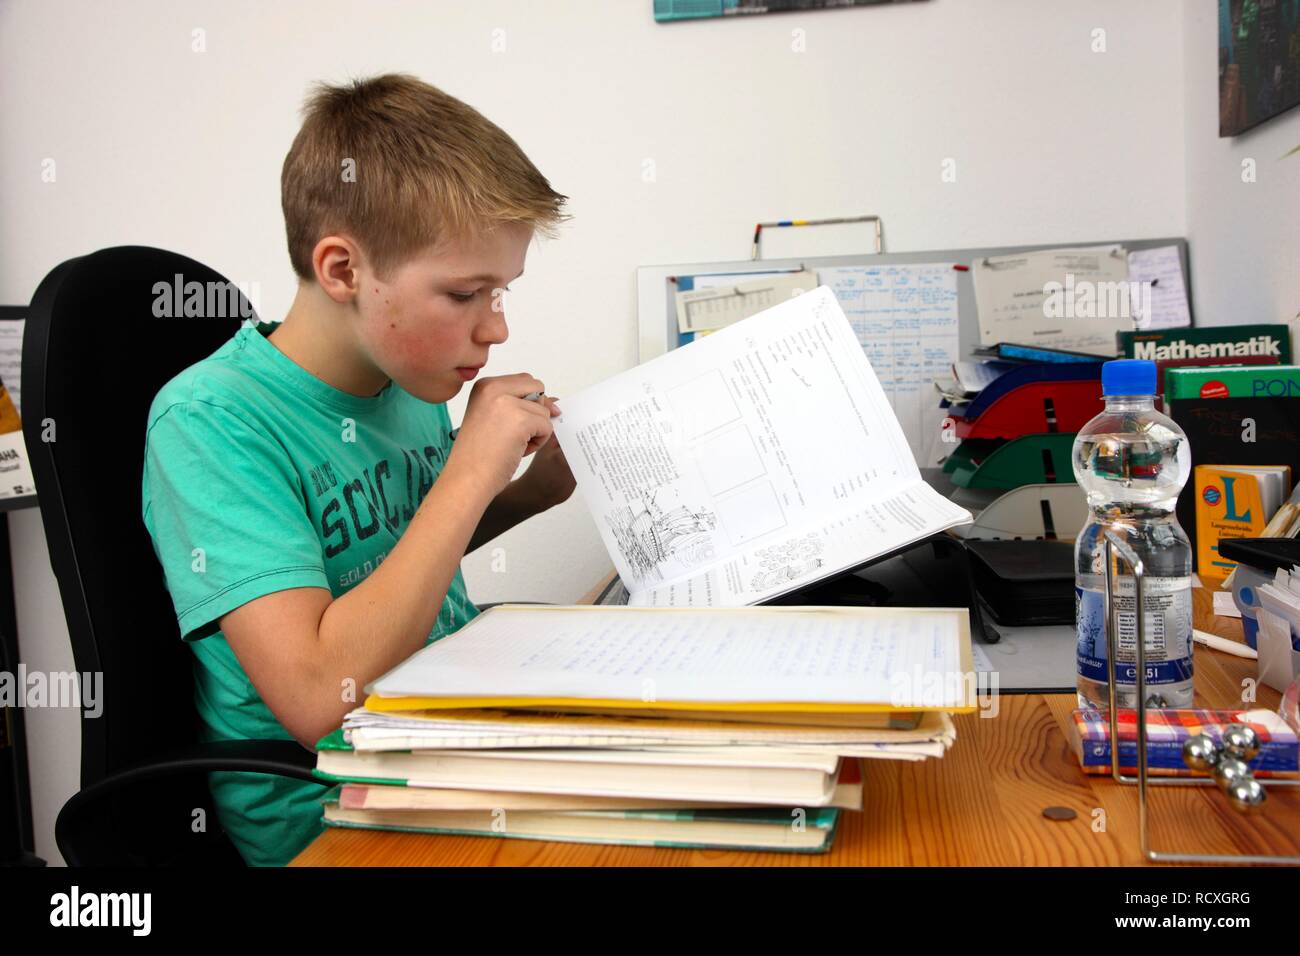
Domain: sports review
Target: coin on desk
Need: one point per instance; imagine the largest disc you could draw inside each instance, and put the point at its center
(1059, 813)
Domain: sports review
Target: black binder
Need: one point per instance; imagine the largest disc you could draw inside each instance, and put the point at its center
(1215, 428)
(1024, 583)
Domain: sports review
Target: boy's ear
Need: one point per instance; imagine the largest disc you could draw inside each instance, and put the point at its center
(336, 261)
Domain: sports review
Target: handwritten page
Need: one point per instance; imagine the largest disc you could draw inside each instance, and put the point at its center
(748, 463)
(1160, 270)
(905, 318)
(1072, 299)
(776, 655)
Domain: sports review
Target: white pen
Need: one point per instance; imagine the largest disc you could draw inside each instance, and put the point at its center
(530, 397)
(1223, 644)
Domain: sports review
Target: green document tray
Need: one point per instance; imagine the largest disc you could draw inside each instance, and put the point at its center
(1029, 459)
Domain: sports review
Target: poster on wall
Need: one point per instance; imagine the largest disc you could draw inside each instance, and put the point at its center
(1259, 61)
(698, 9)
(15, 467)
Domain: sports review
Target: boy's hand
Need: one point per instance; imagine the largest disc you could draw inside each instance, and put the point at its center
(548, 480)
(499, 429)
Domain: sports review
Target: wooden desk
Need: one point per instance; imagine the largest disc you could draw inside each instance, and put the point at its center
(981, 805)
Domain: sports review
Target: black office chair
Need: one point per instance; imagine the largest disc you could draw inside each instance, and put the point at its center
(94, 356)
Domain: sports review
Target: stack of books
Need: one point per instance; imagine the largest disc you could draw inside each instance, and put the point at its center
(1236, 418)
(721, 728)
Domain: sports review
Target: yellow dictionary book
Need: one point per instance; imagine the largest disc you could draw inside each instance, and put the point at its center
(1234, 501)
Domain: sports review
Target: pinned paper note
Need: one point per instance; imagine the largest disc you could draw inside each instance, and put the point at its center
(1160, 271)
(710, 306)
(1074, 299)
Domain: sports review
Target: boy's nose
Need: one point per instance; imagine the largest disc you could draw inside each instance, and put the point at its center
(492, 329)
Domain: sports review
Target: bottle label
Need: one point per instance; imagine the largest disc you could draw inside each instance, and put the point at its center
(1167, 621)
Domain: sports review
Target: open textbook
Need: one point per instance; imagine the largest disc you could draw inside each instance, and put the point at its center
(749, 463)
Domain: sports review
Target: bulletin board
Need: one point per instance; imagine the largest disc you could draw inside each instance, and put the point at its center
(657, 285)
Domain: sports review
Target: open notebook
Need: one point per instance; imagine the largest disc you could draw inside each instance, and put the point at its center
(750, 463)
(779, 659)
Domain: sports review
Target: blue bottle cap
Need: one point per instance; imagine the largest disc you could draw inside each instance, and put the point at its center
(1128, 377)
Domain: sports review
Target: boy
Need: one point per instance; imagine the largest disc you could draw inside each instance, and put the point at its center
(301, 488)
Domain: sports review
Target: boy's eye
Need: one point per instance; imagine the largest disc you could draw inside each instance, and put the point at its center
(467, 296)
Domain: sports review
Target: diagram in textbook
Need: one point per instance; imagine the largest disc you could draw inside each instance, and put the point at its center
(648, 535)
(788, 561)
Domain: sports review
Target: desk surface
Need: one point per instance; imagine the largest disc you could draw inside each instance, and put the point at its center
(981, 805)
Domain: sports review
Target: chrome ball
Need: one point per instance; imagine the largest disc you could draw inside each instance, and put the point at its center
(1201, 752)
(1240, 740)
(1247, 795)
(1229, 770)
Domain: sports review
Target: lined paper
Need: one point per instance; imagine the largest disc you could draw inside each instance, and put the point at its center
(769, 655)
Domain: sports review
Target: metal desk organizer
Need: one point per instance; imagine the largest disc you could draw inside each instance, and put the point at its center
(1117, 547)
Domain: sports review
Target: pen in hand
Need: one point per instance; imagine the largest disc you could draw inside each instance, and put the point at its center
(530, 397)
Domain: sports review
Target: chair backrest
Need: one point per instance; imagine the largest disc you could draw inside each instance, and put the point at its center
(104, 333)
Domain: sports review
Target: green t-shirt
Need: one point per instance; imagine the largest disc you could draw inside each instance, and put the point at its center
(259, 477)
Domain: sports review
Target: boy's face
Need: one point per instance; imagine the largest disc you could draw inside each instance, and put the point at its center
(429, 326)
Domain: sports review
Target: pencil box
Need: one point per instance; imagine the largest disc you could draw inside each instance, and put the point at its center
(1167, 730)
(1024, 582)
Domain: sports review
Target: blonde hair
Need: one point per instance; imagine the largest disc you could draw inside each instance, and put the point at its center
(398, 164)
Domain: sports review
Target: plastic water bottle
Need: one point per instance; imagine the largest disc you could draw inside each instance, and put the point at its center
(1132, 461)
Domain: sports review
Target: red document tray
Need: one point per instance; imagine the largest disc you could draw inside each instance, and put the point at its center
(1034, 408)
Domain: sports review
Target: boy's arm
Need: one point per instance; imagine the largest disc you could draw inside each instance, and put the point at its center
(547, 482)
(512, 506)
(302, 648)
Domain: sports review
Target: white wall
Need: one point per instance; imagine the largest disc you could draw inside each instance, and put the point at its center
(157, 144)
(1244, 236)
